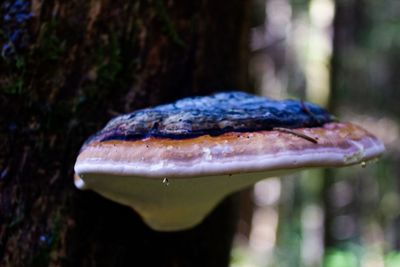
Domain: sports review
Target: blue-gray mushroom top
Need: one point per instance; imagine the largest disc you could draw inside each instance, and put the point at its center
(213, 115)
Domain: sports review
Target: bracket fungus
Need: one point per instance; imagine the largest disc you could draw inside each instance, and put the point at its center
(173, 163)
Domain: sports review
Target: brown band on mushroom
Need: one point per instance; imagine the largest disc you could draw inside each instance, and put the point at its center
(339, 144)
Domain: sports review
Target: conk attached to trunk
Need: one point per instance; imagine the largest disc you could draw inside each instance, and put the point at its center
(173, 163)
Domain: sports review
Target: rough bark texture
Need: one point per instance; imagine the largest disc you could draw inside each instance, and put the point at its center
(84, 62)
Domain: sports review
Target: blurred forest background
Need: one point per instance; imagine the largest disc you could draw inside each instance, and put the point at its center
(343, 55)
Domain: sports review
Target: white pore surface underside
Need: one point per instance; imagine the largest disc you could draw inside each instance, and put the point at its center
(169, 204)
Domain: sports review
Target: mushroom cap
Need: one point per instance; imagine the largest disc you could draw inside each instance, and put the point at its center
(174, 163)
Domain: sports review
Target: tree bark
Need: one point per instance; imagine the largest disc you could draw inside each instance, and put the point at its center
(348, 22)
(79, 64)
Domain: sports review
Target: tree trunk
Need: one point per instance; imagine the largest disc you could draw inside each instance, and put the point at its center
(347, 25)
(74, 65)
